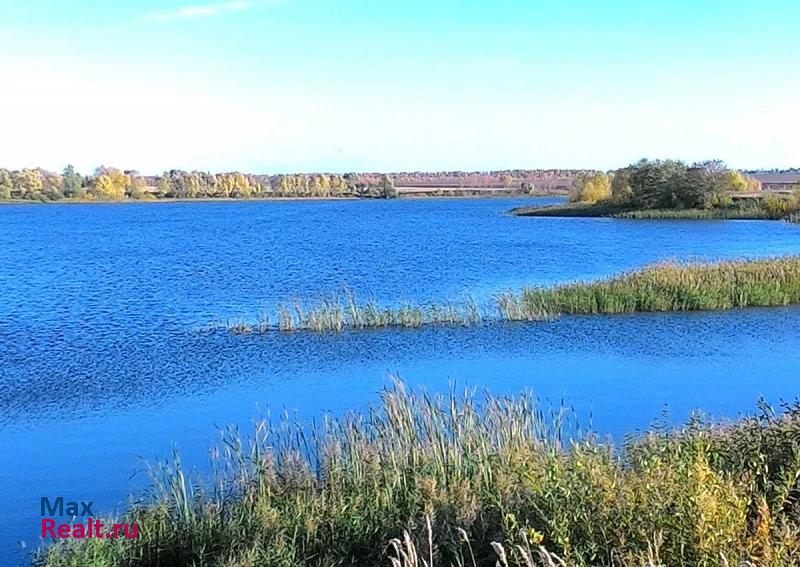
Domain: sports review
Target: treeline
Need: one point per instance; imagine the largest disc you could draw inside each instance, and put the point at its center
(111, 184)
(188, 185)
(664, 184)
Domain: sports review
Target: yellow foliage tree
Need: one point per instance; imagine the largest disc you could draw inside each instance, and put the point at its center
(28, 183)
(591, 188)
(111, 184)
(737, 181)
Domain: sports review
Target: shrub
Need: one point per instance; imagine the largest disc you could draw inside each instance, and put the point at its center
(778, 205)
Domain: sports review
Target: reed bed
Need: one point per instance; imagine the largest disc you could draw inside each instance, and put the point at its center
(667, 286)
(745, 210)
(677, 287)
(459, 480)
(340, 312)
(752, 212)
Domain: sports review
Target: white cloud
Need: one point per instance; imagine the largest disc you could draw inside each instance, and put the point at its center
(206, 10)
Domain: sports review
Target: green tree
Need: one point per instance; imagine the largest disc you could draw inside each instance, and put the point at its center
(71, 184)
(670, 184)
(658, 185)
(701, 188)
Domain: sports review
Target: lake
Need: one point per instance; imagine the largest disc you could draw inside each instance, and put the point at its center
(102, 364)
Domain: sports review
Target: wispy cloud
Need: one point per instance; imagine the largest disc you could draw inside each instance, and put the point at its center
(206, 10)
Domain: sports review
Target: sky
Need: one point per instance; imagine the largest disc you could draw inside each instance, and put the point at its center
(272, 86)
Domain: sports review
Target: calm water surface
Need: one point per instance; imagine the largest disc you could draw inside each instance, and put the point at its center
(101, 364)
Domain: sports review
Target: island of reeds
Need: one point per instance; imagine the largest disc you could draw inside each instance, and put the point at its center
(424, 480)
(667, 286)
(669, 189)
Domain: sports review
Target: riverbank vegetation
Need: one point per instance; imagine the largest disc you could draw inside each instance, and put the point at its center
(112, 184)
(339, 312)
(461, 480)
(671, 189)
(677, 287)
(661, 287)
(750, 209)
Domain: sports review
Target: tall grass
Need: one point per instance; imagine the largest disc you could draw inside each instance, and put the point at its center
(472, 480)
(746, 209)
(752, 212)
(338, 312)
(660, 287)
(677, 287)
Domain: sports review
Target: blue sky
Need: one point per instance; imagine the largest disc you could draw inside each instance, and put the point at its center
(308, 85)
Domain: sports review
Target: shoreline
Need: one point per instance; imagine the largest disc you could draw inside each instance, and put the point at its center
(579, 210)
(402, 197)
(464, 475)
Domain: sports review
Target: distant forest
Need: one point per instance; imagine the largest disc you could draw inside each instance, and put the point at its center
(112, 184)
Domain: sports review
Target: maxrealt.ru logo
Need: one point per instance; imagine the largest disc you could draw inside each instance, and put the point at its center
(87, 527)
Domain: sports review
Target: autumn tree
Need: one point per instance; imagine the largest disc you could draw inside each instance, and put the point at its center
(738, 182)
(621, 185)
(591, 188)
(5, 184)
(137, 186)
(27, 184)
(110, 183)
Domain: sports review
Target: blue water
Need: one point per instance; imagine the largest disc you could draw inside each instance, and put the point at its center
(101, 364)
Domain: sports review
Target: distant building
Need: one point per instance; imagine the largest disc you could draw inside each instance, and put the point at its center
(778, 181)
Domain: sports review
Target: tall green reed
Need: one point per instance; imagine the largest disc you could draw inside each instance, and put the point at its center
(666, 286)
